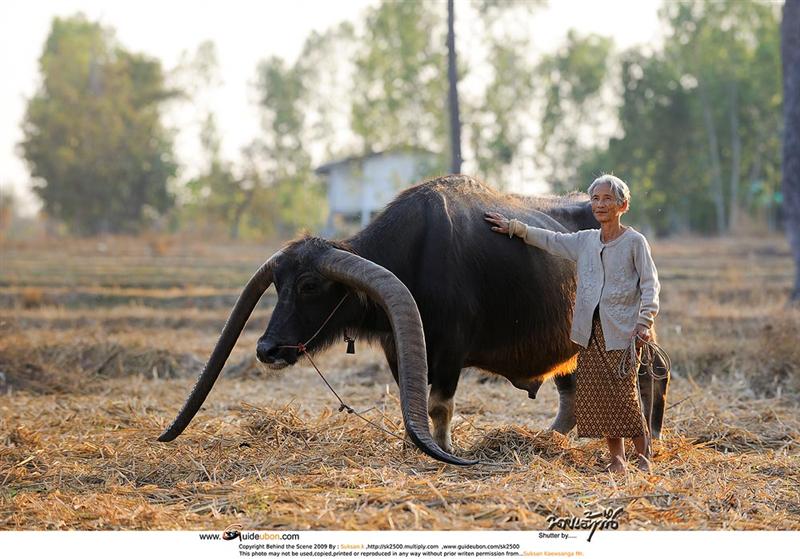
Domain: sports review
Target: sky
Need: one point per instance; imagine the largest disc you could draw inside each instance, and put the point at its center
(244, 33)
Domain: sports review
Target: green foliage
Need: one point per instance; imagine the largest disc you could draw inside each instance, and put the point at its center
(492, 10)
(400, 86)
(93, 136)
(654, 156)
(400, 83)
(497, 127)
(325, 67)
(294, 199)
(217, 194)
(272, 191)
(693, 125)
(573, 78)
(700, 119)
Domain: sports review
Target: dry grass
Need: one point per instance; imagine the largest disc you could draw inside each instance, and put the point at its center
(87, 390)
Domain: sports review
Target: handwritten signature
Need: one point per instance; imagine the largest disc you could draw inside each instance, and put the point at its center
(604, 519)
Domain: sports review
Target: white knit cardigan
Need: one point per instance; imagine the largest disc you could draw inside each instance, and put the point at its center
(619, 275)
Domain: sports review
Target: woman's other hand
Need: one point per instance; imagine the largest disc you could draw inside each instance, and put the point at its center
(642, 334)
(499, 221)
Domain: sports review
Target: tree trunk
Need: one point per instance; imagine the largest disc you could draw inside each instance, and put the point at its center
(755, 168)
(238, 213)
(790, 183)
(713, 148)
(736, 158)
(452, 77)
(236, 222)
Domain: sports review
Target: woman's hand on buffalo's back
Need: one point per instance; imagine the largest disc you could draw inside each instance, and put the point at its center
(498, 220)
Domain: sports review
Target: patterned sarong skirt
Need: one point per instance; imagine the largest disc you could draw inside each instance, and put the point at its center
(605, 404)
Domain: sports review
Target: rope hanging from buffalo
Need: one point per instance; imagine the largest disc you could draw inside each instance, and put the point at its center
(302, 348)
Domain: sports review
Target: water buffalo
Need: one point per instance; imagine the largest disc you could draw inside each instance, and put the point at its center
(430, 283)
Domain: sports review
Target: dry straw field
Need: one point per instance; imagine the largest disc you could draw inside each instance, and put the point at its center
(100, 343)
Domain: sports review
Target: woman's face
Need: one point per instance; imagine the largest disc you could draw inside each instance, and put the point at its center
(604, 205)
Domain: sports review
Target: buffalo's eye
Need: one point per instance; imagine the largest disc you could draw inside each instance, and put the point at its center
(308, 287)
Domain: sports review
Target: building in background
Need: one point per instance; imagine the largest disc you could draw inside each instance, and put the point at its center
(359, 187)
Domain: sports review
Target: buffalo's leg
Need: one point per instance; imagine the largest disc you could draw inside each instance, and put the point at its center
(565, 420)
(440, 403)
(659, 399)
(646, 390)
(659, 405)
(440, 409)
(387, 343)
(654, 398)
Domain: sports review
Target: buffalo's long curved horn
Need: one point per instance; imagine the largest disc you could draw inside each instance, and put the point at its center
(393, 296)
(247, 301)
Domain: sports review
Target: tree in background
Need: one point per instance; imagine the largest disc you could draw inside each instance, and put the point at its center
(271, 188)
(452, 95)
(729, 52)
(498, 112)
(286, 170)
(391, 77)
(401, 97)
(656, 154)
(326, 67)
(399, 86)
(693, 125)
(218, 194)
(93, 136)
(790, 51)
(573, 79)
(8, 203)
(699, 118)
(498, 119)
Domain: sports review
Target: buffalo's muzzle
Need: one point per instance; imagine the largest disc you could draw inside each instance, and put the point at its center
(276, 356)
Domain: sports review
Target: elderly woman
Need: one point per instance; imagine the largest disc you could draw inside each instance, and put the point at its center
(616, 303)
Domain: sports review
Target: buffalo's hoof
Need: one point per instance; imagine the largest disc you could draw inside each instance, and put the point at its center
(444, 442)
(656, 436)
(562, 425)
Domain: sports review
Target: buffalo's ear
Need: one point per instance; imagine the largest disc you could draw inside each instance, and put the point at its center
(361, 297)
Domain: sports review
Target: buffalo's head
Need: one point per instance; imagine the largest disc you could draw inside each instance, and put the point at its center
(312, 276)
(312, 307)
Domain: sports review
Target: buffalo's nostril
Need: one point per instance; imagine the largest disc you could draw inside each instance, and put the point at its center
(265, 353)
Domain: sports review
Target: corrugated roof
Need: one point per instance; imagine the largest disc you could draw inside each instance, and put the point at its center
(326, 168)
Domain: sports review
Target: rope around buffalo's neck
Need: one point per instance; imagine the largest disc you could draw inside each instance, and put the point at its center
(343, 406)
(302, 348)
(330, 316)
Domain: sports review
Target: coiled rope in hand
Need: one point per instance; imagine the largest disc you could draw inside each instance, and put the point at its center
(650, 350)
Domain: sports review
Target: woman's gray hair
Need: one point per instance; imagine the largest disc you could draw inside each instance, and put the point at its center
(618, 187)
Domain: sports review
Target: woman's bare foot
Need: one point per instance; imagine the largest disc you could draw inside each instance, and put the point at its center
(642, 445)
(617, 466)
(616, 447)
